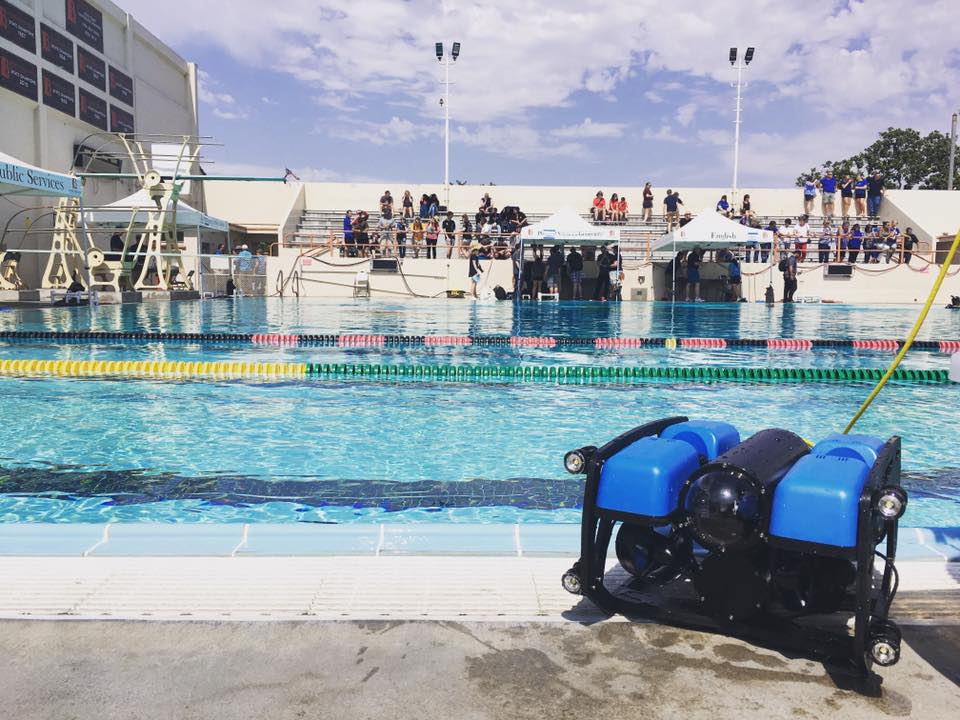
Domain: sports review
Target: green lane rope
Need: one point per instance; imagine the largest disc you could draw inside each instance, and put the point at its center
(214, 371)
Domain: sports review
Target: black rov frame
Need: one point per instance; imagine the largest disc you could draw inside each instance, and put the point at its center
(875, 639)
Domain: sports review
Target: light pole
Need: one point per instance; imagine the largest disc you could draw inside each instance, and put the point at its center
(953, 150)
(740, 66)
(446, 60)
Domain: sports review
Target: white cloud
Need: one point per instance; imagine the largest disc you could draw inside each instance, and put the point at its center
(664, 134)
(686, 113)
(590, 129)
(865, 64)
(223, 105)
(395, 130)
(519, 141)
(267, 101)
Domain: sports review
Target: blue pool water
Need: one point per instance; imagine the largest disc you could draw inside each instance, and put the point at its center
(98, 450)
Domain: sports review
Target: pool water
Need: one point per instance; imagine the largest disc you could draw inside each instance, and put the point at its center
(366, 451)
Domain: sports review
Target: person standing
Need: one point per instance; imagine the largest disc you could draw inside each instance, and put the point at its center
(575, 268)
(787, 237)
(910, 241)
(875, 192)
(854, 243)
(801, 234)
(846, 195)
(416, 234)
(386, 205)
(693, 276)
(735, 279)
(843, 241)
(433, 233)
(671, 208)
(860, 194)
(789, 268)
(809, 195)
(828, 196)
(474, 271)
(400, 228)
(604, 264)
(450, 232)
(767, 242)
(348, 244)
(825, 244)
(647, 202)
(538, 270)
(554, 265)
(466, 231)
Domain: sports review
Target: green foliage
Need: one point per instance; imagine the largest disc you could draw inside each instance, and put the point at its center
(906, 159)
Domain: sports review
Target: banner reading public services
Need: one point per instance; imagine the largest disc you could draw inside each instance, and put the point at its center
(86, 23)
(17, 26)
(18, 75)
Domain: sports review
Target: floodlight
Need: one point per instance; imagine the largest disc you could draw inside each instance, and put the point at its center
(749, 56)
(733, 56)
(439, 51)
(455, 53)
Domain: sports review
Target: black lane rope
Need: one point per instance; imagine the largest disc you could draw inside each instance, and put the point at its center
(570, 343)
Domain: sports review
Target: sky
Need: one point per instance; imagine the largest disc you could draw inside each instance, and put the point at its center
(552, 92)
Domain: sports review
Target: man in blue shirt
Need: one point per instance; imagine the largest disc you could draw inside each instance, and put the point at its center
(828, 186)
(874, 193)
(671, 210)
(348, 235)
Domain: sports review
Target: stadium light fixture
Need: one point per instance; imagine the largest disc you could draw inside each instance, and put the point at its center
(439, 47)
(733, 56)
(748, 57)
(456, 50)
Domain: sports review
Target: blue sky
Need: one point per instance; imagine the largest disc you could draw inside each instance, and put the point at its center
(556, 92)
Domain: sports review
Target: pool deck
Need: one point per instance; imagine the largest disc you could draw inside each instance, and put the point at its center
(316, 621)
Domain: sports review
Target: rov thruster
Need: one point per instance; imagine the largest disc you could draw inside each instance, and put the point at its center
(769, 539)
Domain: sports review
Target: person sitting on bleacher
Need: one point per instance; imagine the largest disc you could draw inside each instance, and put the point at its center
(599, 210)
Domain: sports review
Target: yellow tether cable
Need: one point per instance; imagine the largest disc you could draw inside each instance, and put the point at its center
(913, 334)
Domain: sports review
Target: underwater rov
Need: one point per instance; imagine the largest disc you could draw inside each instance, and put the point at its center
(767, 539)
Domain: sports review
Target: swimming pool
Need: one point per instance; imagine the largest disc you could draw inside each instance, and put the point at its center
(370, 451)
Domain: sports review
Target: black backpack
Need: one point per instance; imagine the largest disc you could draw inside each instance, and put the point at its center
(782, 267)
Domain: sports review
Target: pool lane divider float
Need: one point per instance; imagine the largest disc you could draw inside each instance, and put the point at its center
(160, 369)
(513, 341)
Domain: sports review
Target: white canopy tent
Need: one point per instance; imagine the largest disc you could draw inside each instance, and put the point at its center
(567, 227)
(119, 213)
(710, 230)
(20, 178)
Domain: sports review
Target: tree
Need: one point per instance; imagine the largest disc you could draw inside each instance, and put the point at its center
(906, 159)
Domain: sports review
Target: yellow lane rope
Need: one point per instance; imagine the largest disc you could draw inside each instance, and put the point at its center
(913, 334)
(152, 369)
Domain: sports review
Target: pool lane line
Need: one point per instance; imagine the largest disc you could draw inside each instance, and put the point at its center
(164, 369)
(514, 341)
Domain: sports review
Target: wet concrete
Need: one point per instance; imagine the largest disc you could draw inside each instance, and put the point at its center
(398, 670)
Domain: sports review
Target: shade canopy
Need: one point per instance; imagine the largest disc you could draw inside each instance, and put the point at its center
(710, 230)
(20, 178)
(118, 213)
(566, 226)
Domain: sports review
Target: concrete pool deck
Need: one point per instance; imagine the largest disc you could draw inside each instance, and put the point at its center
(317, 621)
(414, 670)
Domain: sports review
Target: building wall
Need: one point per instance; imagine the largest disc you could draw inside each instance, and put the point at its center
(164, 101)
